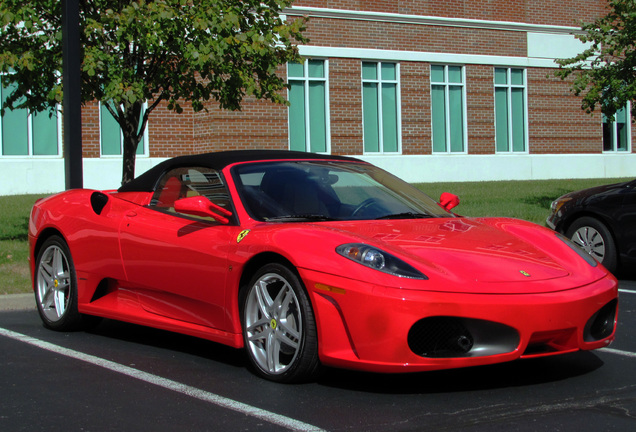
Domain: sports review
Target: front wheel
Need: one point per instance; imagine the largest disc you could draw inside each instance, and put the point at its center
(596, 239)
(279, 329)
(56, 286)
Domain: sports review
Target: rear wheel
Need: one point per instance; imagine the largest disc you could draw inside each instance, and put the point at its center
(279, 329)
(56, 286)
(596, 239)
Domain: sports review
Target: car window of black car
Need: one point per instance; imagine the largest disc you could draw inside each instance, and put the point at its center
(189, 182)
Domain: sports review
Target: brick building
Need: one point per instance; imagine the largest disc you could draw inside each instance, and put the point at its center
(432, 91)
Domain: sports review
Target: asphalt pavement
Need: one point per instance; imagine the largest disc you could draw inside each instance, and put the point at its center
(123, 377)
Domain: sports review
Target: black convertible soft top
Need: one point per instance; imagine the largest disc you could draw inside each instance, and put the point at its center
(218, 160)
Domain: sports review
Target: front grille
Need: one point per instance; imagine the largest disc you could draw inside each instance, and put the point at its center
(440, 337)
(448, 337)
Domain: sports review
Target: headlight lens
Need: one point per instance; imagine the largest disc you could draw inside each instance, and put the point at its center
(586, 256)
(379, 260)
(558, 203)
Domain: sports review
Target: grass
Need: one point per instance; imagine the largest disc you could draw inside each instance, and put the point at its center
(14, 249)
(529, 200)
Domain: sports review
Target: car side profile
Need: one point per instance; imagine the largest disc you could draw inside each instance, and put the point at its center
(305, 260)
(601, 220)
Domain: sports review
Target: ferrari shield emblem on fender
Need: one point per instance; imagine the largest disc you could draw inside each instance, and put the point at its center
(525, 273)
(242, 235)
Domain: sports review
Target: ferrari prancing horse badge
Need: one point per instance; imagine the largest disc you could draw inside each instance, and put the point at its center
(242, 235)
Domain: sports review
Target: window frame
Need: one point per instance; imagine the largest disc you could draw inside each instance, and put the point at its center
(187, 189)
(379, 81)
(306, 80)
(30, 136)
(146, 146)
(628, 123)
(447, 113)
(509, 86)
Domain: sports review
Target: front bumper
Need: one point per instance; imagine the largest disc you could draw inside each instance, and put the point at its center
(370, 327)
(552, 221)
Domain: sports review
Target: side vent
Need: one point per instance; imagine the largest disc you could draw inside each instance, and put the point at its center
(602, 323)
(98, 202)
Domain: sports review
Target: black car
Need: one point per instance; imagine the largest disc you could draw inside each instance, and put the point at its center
(602, 220)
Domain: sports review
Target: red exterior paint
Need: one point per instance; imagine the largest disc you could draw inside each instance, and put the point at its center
(147, 267)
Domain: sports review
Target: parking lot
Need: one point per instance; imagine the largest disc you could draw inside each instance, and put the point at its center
(124, 377)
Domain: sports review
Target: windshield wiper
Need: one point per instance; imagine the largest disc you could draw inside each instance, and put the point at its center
(301, 218)
(405, 215)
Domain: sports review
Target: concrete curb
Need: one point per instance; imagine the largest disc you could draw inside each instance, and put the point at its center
(17, 302)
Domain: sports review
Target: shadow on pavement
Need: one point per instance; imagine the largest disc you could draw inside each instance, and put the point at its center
(512, 374)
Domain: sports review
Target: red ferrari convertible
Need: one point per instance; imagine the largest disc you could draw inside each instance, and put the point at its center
(307, 260)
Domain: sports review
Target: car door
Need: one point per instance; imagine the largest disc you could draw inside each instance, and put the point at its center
(177, 264)
(626, 221)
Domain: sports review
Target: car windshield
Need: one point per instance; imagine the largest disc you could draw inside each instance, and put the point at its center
(324, 191)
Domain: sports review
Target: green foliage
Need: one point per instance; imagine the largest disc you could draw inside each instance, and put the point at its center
(178, 51)
(605, 72)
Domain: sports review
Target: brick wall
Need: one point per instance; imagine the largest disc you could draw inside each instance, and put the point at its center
(171, 134)
(480, 105)
(556, 122)
(414, 37)
(90, 130)
(552, 12)
(416, 108)
(345, 106)
(258, 125)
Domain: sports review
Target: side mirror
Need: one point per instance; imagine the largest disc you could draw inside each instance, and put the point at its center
(447, 201)
(201, 206)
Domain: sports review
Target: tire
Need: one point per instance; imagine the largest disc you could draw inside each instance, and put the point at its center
(279, 329)
(596, 239)
(56, 287)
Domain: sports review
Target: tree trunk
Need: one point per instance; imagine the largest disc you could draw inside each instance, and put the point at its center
(132, 137)
(129, 156)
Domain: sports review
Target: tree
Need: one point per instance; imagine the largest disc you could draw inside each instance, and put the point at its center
(605, 72)
(144, 51)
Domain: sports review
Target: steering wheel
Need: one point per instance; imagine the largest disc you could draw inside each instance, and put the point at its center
(369, 202)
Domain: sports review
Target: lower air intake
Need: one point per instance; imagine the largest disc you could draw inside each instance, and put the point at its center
(448, 337)
(602, 323)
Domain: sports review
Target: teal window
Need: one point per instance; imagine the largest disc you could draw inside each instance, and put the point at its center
(111, 136)
(25, 133)
(308, 109)
(510, 110)
(616, 134)
(448, 109)
(380, 100)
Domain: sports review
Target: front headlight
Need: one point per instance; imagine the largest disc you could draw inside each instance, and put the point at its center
(558, 203)
(379, 260)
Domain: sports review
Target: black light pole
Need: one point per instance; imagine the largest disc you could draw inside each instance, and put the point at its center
(72, 102)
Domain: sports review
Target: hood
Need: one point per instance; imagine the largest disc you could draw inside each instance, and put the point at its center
(467, 246)
(598, 190)
(468, 255)
(481, 255)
